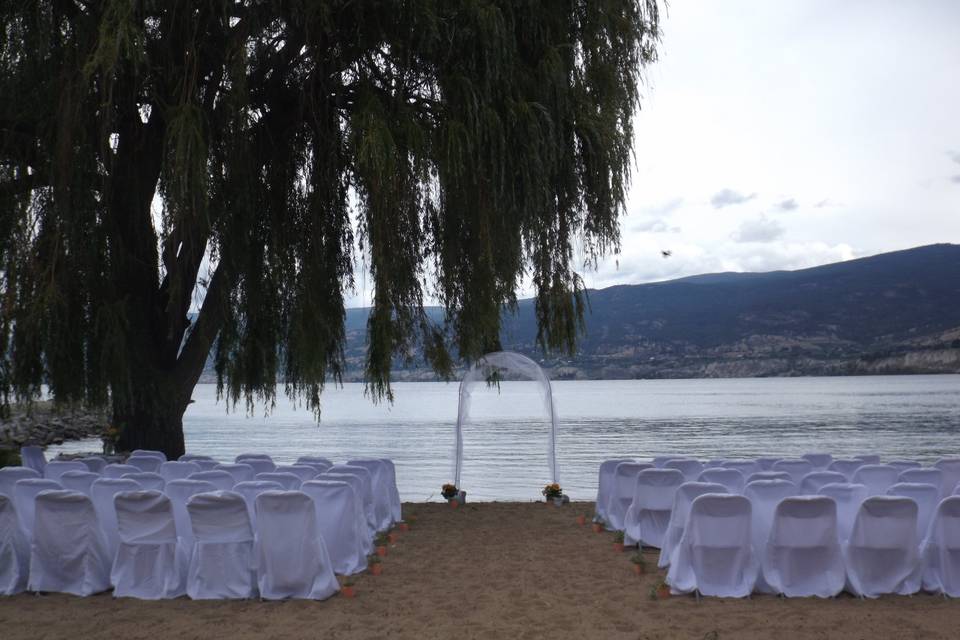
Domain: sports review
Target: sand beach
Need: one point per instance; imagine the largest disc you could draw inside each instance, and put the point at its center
(489, 570)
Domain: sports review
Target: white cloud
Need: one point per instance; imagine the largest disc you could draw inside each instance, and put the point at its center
(761, 229)
(728, 197)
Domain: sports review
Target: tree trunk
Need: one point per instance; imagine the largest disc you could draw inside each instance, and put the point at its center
(150, 416)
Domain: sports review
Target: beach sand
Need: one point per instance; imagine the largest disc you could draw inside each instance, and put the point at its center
(491, 570)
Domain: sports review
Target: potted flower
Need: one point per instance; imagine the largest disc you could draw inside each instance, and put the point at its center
(660, 591)
(347, 588)
(380, 542)
(392, 537)
(618, 542)
(598, 524)
(403, 526)
(453, 495)
(639, 563)
(375, 564)
(581, 520)
(553, 493)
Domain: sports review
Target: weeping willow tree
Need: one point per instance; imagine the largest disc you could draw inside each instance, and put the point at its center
(181, 176)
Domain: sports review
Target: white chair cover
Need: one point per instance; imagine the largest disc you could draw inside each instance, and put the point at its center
(951, 474)
(252, 456)
(818, 460)
(732, 479)
(32, 457)
(339, 512)
(690, 469)
(319, 467)
(605, 485)
(923, 476)
(396, 509)
(150, 564)
(149, 453)
(314, 460)
(846, 467)
(205, 465)
(193, 457)
(289, 481)
(745, 467)
(382, 493)
(659, 461)
(180, 492)
(14, 550)
(682, 499)
(302, 471)
(769, 475)
(367, 492)
(848, 497)
(259, 465)
(250, 489)
(68, 553)
(102, 492)
(148, 481)
(81, 481)
(145, 464)
(767, 463)
(811, 483)
(648, 515)
(95, 464)
(796, 468)
(883, 553)
(941, 550)
(877, 478)
(715, 556)
(222, 564)
(117, 471)
(222, 480)
(903, 465)
(868, 458)
(802, 556)
(9, 476)
(624, 486)
(927, 496)
(24, 496)
(240, 472)
(356, 483)
(178, 470)
(714, 463)
(292, 559)
(765, 495)
(56, 468)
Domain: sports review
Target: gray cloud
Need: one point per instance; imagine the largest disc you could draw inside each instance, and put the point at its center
(955, 179)
(760, 229)
(789, 204)
(728, 197)
(823, 203)
(954, 155)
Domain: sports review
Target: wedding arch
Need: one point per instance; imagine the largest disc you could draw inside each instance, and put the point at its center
(496, 364)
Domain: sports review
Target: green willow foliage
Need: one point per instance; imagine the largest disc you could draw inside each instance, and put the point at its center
(463, 144)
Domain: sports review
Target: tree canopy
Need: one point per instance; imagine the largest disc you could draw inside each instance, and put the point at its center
(159, 153)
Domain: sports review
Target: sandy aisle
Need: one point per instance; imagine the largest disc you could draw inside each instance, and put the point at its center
(495, 570)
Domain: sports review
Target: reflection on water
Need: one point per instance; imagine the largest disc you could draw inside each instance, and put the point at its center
(505, 458)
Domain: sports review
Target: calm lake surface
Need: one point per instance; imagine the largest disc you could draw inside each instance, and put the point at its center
(505, 443)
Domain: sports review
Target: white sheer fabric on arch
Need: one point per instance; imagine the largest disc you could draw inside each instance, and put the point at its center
(482, 370)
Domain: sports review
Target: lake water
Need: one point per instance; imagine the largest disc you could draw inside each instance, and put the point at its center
(505, 444)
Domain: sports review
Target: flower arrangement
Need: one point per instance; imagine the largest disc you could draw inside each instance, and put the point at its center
(639, 563)
(552, 491)
(449, 491)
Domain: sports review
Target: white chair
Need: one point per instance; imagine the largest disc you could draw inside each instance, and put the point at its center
(732, 479)
(690, 469)
(846, 467)
(951, 473)
(356, 483)
(924, 476)
(149, 453)
(796, 468)
(14, 550)
(903, 465)
(319, 467)
(259, 465)
(56, 468)
(150, 564)
(81, 481)
(222, 480)
(32, 457)
(818, 460)
(292, 559)
(802, 556)
(647, 517)
(222, 564)
(240, 472)
(659, 461)
(289, 481)
(178, 470)
(145, 464)
(95, 464)
(868, 458)
(745, 467)
(715, 556)
(68, 553)
(882, 556)
(305, 473)
(102, 492)
(24, 498)
(9, 476)
(765, 495)
(714, 463)
(315, 460)
(117, 471)
(927, 496)
(848, 497)
(250, 489)
(682, 499)
(769, 475)
(767, 463)
(396, 508)
(180, 491)
(367, 493)
(381, 489)
(193, 457)
(811, 483)
(205, 465)
(339, 512)
(605, 485)
(147, 480)
(624, 486)
(877, 478)
(940, 552)
(243, 457)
